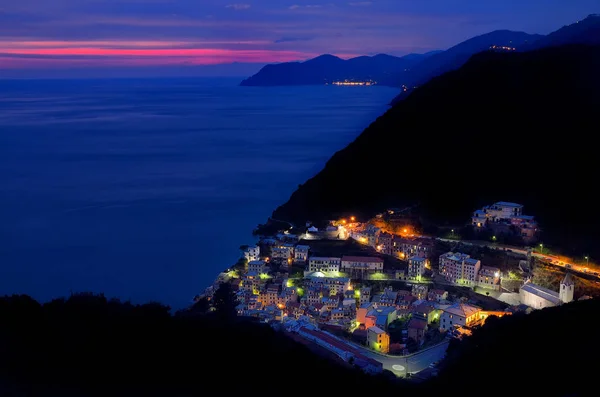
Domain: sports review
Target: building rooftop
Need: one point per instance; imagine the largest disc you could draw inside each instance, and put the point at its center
(542, 292)
(256, 263)
(324, 258)
(302, 247)
(376, 330)
(331, 340)
(508, 204)
(568, 280)
(462, 310)
(364, 259)
(417, 259)
(417, 323)
(471, 261)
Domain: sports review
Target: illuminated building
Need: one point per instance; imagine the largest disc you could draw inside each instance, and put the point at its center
(459, 268)
(459, 314)
(301, 253)
(489, 277)
(416, 266)
(538, 297)
(252, 253)
(378, 339)
(324, 264)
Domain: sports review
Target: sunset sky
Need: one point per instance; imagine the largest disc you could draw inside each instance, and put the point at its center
(81, 37)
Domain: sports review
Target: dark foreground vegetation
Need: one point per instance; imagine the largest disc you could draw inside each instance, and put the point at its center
(515, 127)
(90, 346)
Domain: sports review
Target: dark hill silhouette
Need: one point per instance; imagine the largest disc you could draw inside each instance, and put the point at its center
(506, 126)
(327, 68)
(455, 57)
(88, 346)
(586, 31)
(522, 347)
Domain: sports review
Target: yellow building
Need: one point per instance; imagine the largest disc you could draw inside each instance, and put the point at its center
(378, 339)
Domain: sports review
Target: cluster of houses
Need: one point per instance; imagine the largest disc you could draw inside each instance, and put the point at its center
(505, 217)
(461, 269)
(324, 296)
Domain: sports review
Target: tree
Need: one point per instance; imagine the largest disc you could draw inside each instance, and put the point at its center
(225, 301)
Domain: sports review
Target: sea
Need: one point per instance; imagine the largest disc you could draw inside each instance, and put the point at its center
(144, 189)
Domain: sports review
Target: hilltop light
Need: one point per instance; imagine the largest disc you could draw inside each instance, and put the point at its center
(352, 218)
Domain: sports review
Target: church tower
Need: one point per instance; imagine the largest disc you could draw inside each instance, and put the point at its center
(567, 287)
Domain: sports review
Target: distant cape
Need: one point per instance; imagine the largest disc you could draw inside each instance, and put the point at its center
(329, 69)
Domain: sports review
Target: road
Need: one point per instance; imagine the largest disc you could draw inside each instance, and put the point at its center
(400, 366)
(554, 260)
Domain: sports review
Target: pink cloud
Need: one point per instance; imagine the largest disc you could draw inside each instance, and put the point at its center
(41, 54)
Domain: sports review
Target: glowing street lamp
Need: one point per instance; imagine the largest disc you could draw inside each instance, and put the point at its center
(352, 218)
(541, 248)
(587, 260)
(494, 238)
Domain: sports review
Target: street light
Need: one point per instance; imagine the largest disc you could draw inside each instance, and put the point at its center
(587, 260)
(541, 248)
(493, 238)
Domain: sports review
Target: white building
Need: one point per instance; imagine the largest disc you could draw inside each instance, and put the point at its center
(324, 264)
(363, 263)
(252, 253)
(257, 267)
(335, 285)
(501, 215)
(489, 277)
(459, 314)
(503, 210)
(416, 266)
(282, 252)
(301, 253)
(538, 297)
(459, 268)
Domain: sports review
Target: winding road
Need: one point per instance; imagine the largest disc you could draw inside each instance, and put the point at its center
(401, 365)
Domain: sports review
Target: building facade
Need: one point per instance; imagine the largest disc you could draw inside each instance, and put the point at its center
(459, 268)
(378, 339)
(301, 253)
(252, 253)
(324, 264)
(416, 266)
(489, 277)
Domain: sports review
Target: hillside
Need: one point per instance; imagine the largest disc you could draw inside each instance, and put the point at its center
(324, 69)
(515, 353)
(455, 57)
(506, 126)
(88, 346)
(586, 31)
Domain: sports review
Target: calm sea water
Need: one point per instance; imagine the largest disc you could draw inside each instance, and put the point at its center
(145, 189)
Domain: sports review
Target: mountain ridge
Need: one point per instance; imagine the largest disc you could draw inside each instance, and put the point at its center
(483, 128)
(327, 68)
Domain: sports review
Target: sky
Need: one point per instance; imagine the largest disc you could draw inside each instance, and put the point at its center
(79, 38)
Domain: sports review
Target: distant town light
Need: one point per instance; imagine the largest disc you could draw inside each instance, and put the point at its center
(352, 218)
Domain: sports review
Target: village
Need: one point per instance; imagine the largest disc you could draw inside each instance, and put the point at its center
(378, 292)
